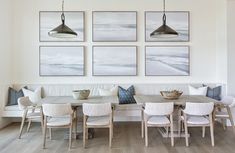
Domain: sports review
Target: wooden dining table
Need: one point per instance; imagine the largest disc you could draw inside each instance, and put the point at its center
(181, 101)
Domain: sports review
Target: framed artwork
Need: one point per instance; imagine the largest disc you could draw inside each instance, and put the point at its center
(114, 26)
(49, 20)
(178, 20)
(167, 61)
(114, 60)
(61, 61)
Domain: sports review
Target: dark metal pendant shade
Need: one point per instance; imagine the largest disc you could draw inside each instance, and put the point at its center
(62, 31)
(164, 31)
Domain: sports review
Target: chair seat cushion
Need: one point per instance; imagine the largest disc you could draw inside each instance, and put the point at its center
(197, 120)
(58, 121)
(98, 121)
(158, 120)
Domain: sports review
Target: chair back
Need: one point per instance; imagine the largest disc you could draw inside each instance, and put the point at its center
(24, 102)
(57, 110)
(159, 108)
(97, 109)
(199, 109)
(227, 100)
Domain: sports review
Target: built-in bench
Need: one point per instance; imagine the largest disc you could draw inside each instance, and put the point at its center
(122, 112)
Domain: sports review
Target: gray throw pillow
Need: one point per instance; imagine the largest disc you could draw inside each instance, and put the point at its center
(214, 93)
(13, 96)
(126, 96)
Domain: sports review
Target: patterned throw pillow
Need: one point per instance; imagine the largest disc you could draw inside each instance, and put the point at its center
(13, 96)
(214, 93)
(126, 96)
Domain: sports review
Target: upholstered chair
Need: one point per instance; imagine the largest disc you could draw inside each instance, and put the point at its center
(97, 116)
(197, 115)
(29, 113)
(158, 115)
(58, 116)
(223, 111)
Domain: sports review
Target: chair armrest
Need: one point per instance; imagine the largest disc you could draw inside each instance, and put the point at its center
(233, 104)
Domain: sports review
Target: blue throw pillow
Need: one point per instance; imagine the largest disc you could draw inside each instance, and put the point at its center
(13, 96)
(126, 96)
(214, 93)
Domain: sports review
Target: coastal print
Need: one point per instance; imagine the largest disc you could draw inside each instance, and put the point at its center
(61, 61)
(167, 61)
(179, 21)
(51, 20)
(114, 26)
(114, 61)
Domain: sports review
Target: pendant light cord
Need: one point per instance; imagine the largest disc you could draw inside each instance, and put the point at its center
(62, 15)
(164, 12)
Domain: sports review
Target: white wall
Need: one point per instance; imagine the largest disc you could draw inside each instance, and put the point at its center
(5, 54)
(231, 47)
(203, 39)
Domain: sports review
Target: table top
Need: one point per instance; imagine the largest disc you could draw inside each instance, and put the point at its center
(74, 102)
(141, 99)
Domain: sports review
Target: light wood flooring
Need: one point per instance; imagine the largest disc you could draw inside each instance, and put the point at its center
(127, 139)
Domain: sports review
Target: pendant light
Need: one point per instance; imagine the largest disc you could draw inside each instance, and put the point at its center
(62, 31)
(164, 31)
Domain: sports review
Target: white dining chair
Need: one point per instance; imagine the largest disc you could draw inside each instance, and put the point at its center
(58, 116)
(158, 115)
(97, 116)
(223, 111)
(197, 115)
(29, 113)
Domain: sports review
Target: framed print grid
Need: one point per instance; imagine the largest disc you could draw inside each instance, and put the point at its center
(167, 61)
(114, 60)
(178, 20)
(114, 26)
(61, 61)
(49, 20)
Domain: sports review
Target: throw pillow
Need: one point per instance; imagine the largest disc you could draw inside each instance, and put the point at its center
(214, 93)
(108, 92)
(34, 96)
(126, 96)
(13, 96)
(197, 91)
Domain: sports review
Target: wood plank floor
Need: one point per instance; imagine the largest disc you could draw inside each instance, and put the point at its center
(127, 139)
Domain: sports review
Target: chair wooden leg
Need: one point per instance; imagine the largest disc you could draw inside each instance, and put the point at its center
(42, 123)
(167, 131)
(203, 131)
(186, 130)
(231, 118)
(29, 124)
(212, 131)
(223, 123)
(146, 134)
(44, 133)
(142, 123)
(22, 124)
(110, 136)
(70, 136)
(50, 133)
(84, 131)
(179, 127)
(172, 131)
